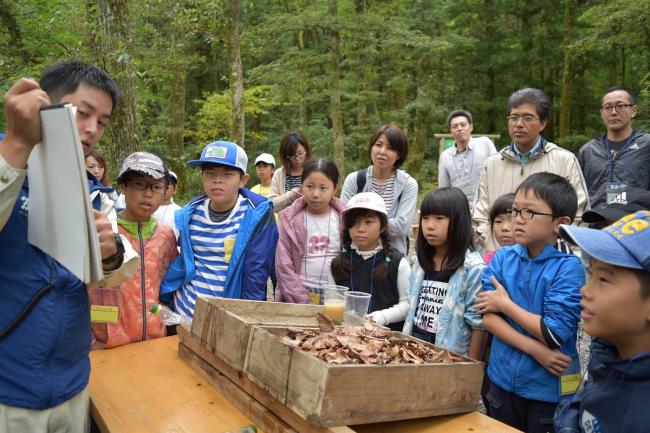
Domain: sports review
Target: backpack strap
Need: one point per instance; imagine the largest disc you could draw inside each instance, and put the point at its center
(361, 180)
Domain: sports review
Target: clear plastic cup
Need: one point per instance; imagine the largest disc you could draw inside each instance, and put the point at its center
(334, 302)
(356, 307)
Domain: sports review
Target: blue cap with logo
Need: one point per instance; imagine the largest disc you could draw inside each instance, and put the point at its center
(625, 243)
(223, 153)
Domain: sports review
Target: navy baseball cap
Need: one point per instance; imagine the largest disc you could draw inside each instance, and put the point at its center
(625, 203)
(624, 243)
(223, 153)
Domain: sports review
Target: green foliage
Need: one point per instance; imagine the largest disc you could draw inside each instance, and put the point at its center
(405, 61)
(214, 115)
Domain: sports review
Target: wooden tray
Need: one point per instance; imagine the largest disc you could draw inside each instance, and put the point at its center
(224, 325)
(334, 395)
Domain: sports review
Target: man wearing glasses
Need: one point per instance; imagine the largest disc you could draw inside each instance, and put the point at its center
(619, 159)
(529, 152)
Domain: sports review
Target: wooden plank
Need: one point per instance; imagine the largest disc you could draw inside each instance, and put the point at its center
(474, 422)
(257, 392)
(268, 365)
(145, 388)
(260, 415)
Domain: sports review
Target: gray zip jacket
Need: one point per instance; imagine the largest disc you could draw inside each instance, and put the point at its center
(630, 166)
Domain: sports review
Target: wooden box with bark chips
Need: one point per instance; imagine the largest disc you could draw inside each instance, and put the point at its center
(359, 375)
(224, 325)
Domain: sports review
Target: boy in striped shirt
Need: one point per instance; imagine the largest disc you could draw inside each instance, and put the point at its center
(222, 233)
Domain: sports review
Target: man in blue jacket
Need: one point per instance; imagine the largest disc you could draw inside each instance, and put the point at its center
(227, 236)
(45, 333)
(530, 304)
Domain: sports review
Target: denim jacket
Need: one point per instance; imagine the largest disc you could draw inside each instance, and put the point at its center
(458, 317)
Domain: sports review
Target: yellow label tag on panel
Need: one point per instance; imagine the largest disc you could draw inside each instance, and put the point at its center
(103, 314)
(228, 245)
(315, 298)
(569, 383)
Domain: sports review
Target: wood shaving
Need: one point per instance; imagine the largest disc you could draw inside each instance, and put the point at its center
(367, 344)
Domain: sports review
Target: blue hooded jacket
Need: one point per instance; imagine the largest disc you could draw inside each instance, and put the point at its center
(614, 398)
(548, 285)
(254, 251)
(44, 359)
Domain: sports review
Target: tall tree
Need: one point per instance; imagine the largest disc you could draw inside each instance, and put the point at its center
(237, 128)
(114, 53)
(568, 70)
(335, 92)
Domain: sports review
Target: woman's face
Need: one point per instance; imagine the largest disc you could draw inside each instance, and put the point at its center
(383, 156)
(95, 167)
(299, 158)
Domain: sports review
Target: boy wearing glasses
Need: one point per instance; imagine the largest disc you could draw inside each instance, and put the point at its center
(531, 304)
(528, 153)
(620, 159)
(227, 236)
(143, 179)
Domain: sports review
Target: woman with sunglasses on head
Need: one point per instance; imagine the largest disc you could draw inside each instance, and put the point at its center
(287, 180)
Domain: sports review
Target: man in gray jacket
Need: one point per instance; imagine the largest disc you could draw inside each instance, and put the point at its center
(620, 159)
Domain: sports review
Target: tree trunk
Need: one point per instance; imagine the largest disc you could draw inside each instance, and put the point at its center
(302, 105)
(237, 126)
(335, 92)
(422, 118)
(15, 37)
(177, 117)
(568, 70)
(114, 38)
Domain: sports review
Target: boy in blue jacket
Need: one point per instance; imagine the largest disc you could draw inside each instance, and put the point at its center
(227, 236)
(530, 302)
(616, 312)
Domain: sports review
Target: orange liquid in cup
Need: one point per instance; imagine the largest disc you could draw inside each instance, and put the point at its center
(334, 309)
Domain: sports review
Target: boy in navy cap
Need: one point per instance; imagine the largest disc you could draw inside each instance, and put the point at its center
(616, 312)
(227, 236)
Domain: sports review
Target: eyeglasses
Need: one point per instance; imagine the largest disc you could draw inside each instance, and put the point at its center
(298, 154)
(461, 125)
(526, 118)
(158, 188)
(526, 214)
(620, 108)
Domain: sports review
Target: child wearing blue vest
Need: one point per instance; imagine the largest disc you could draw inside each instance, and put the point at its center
(367, 262)
(530, 303)
(227, 236)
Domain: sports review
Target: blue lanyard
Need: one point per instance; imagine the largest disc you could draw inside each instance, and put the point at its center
(610, 159)
(372, 275)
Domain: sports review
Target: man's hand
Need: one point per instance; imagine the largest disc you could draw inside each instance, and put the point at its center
(22, 104)
(552, 360)
(105, 235)
(493, 301)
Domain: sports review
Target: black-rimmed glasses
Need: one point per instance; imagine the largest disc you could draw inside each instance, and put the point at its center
(526, 214)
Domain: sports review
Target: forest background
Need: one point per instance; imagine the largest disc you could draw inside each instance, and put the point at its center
(192, 72)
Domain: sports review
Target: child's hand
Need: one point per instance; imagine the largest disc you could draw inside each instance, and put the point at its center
(494, 301)
(553, 360)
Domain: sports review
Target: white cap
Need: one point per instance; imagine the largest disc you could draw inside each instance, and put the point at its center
(266, 158)
(367, 200)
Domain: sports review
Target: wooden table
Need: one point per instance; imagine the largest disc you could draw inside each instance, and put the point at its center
(146, 387)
